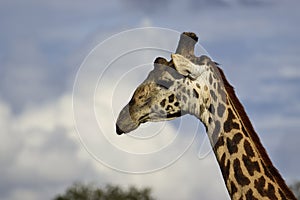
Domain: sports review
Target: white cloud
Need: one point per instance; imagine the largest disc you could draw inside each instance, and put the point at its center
(40, 150)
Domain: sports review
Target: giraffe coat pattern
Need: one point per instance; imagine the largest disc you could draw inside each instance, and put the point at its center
(197, 86)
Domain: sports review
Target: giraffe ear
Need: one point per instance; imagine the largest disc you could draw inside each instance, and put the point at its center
(185, 67)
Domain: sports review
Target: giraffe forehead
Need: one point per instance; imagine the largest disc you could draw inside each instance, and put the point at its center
(185, 87)
(168, 73)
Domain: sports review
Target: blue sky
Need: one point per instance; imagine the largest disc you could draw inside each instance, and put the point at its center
(43, 45)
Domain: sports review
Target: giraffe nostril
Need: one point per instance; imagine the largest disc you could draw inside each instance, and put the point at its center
(118, 130)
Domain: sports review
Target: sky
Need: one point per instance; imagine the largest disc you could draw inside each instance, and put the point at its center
(67, 69)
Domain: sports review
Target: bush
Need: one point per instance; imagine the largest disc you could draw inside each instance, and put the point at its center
(79, 191)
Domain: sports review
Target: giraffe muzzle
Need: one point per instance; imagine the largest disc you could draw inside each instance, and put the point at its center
(125, 123)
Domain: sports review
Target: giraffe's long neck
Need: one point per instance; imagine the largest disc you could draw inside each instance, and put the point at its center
(247, 170)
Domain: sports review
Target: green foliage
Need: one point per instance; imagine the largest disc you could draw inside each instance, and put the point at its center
(296, 189)
(79, 191)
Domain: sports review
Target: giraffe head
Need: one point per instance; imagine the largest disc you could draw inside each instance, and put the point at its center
(171, 90)
(153, 100)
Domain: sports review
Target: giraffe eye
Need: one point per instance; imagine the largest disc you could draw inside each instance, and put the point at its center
(164, 84)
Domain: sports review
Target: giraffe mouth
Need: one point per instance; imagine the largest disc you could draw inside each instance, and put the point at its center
(125, 128)
(144, 118)
(125, 123)
(119, 130)
(175, 115)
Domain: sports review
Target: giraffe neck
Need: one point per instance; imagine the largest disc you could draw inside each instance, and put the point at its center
(246, 168)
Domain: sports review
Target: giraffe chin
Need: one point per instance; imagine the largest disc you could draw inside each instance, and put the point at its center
(124, 130)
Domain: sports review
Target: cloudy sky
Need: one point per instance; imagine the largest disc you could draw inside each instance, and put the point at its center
(67, 68)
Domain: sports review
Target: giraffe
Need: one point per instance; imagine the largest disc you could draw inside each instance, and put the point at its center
(197, 86)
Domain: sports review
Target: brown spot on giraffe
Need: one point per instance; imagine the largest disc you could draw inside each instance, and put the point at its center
(232, 145)
(248, 149)
(233, 188)
(239, 174)
(265, 190)
(213, 95)
(211, 109)
(195, 93)
(171, 98)
(163, 103)
(250, 196)
(229, 124)
(221, 110)
(205, 88)
(251, 166)
(225, 167)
